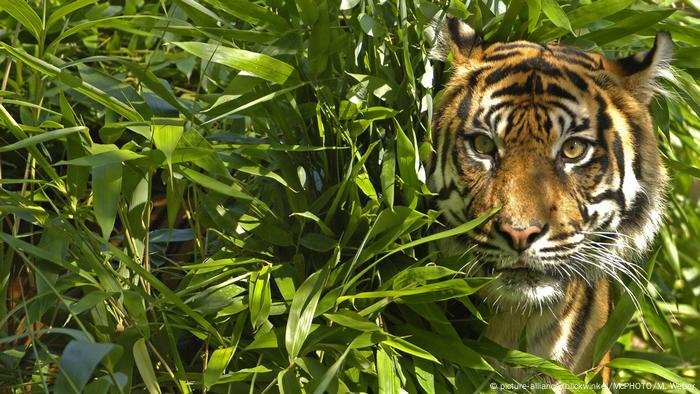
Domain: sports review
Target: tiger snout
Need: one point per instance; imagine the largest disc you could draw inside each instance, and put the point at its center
(519, 238)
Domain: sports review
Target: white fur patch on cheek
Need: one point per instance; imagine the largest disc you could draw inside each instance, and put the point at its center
(604, 210)
(630, 184)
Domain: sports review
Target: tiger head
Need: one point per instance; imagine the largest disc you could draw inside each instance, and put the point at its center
(561, 140)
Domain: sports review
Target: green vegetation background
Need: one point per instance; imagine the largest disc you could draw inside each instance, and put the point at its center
(287, 139)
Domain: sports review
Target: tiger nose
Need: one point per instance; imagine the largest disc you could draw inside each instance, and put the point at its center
(520, 239)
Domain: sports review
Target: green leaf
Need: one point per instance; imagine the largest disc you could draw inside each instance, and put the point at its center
(425, 375)
(318, 242)
(89, 301)
(78, 363)
(251, 13)
(640, 365)
(87, 89)
(289, 382)
(106, 189)
(518, 358)
(407, 158)
(39, 138)
(259, 296)
(627, 26)
(218, 362)
(684, 168)
(352, 320)
(319, 43)
(534, 8)
(388, 175)
(208, 182)
(24, 14)
(264, 66)
(614, 327)
(348, 4)
(252, 103)
(145, 366)
(103, 159)
(166, 135)
(134, 304)
(582, 17)
(453, 288)
(66, 10)
(554, 13)
(331, 372)
(167, 294)
(387, 376)
(301, 313)
(595, 11)
(408, 347)
(371, 26)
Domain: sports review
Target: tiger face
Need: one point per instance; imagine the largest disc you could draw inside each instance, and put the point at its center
(562, 141)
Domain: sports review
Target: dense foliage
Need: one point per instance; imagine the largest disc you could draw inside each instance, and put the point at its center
(226, 195)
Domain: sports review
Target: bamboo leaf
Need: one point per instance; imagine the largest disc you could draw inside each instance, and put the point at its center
(39, 138)
(264, 66)
(106, 189)
(302, 311)
(166, 135)
(78, 362)
(556, 14)
(251, 13)
(24, 14)
(145, 366)
(218, 362)
(66, 10)
(259, 296)
(627, 26)
(640, 365)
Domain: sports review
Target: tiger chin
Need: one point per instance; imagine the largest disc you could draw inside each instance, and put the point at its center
(561, 140)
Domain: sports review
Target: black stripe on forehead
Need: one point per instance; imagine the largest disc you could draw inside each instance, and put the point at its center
(560, 106)
(556, 90)
(502, 56)
(603, 120)
(573, 52)
(532, 85)
(548, 124)
(538, 64)
(465, 105)
(576, 79)
(516, 45)
(574, 61)
(518, 122)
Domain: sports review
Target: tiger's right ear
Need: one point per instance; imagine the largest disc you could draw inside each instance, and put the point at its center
(463, 39)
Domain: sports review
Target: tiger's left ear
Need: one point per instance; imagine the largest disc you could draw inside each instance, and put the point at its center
(456, 37)
(641, 72)
(463, 39)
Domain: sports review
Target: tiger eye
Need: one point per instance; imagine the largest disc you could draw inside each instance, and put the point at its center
(573, 149)
(483, 145)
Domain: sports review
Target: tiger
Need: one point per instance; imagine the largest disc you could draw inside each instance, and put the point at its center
(559, 140)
